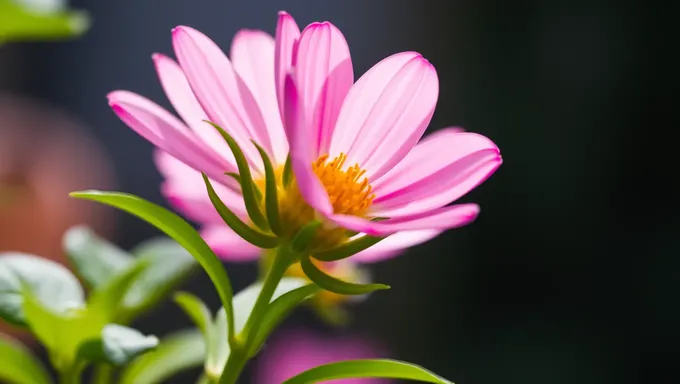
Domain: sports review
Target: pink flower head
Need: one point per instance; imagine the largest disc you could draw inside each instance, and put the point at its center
(355, 148)
(297, 351)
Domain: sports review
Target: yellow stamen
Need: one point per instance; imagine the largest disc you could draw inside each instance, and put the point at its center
(349, 192)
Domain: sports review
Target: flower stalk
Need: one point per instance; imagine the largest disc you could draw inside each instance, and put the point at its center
(239, 354)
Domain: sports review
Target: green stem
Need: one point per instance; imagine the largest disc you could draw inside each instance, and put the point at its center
(102, 374)
(238, 357)
(278, 268)
(204, 379)
(71, 375)
(232, 370)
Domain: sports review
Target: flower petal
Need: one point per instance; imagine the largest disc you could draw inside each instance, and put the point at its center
(224, 96)
(185, 190)
(386, 112)
(228, 245)
(166, 132)
(394, 245)
(287, 34)
(443, 218)
(182, 98)
(422, 182)
(301, 154)
(324, 75)
(252, 54)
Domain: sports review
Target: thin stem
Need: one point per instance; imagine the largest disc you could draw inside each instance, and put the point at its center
(71, 375)
(238, 357)
(204, 379)
(102, 374)
(278, 268)
(235, 363)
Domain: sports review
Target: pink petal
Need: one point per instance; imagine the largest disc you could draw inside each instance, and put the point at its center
(287, 34)
(252, 54)
(386, 113)
(420, 159)
(443, 218)
(324, 75)
(166, 132)
(301, 154)
(423, 181)
(182, 98)
(228, 245)
(223, 95)
(185, 190)
(394, 245)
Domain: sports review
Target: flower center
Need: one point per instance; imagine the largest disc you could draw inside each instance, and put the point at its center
(349, 191)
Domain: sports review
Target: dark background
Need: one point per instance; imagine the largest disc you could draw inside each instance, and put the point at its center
(568, 274)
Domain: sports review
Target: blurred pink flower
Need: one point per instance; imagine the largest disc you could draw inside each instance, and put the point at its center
(353, 147)
(294, 352)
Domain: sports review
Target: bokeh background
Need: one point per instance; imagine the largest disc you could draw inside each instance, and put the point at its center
(568, 274)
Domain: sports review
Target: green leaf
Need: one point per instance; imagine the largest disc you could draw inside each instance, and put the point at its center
(249, 234)
(52, 284)
(117, 345)
(379, 368)
(61, 333)
(107, 299)
(347, 249)
(19, 366)
(175, 353)
(334, 285)
(197, 310)
(19, 23)
(247, 184)
(244, 302)
(175, 227)
(168, 266)
(278, 310)
(219, 347)
(271, 195)
(94, 259)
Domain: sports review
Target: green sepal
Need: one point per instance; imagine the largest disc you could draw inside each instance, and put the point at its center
(271, 195)
(235, 176)
(335, 285)
(246, 179)
(347, 249)
(303, 239)
(287, 176)
(242, 229)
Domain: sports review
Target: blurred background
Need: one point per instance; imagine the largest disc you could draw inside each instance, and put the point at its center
(567, 275)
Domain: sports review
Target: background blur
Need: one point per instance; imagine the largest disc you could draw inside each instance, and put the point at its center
(568, 273)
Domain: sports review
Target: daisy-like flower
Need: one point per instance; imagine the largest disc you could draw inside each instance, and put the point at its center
(355, 162)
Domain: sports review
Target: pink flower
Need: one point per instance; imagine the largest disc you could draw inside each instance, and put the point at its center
(354, 147)
(297, 351)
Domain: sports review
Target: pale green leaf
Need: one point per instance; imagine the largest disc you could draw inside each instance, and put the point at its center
(19, 366)
(175, 353)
